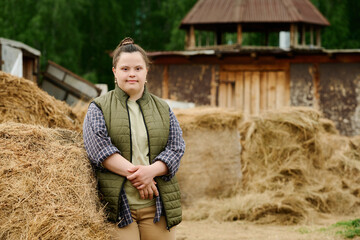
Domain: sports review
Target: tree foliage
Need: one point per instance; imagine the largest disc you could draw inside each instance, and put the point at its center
(80, 34)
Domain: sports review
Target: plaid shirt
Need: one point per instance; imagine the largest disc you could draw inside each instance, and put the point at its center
(99, 147)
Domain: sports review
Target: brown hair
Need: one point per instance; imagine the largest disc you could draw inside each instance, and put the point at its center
(128, 45)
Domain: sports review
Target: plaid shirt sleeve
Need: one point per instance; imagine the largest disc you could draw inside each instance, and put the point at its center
(96, 139)
(174, 149)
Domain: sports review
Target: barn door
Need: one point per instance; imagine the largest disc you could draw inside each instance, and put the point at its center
(254, 89)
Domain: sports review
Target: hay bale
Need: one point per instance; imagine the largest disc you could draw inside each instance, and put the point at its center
(211, 163)
(296, 152)
(47, 186)
(22, 101)
(294, 171)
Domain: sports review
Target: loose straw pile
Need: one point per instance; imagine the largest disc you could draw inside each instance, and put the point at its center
(23, 101)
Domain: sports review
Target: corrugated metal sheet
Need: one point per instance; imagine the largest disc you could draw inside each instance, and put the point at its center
(253, 11)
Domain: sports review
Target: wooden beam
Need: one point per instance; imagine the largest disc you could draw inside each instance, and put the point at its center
(296, 36)
(199, 39)
(192, 37)
(239, 34)
(165, 82)
(255, 67)
(292, 35)
(311, 36)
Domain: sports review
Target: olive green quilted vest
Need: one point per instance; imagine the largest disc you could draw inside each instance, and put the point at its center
(156, 115)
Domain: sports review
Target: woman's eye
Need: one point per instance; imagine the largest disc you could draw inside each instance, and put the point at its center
(124, 69)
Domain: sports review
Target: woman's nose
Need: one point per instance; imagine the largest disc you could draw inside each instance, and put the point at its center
(132, 73)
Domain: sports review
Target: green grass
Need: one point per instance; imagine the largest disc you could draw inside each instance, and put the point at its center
(348, 229)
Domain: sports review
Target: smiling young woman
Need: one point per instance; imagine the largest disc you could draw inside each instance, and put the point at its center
(135, 143)
(130, 73)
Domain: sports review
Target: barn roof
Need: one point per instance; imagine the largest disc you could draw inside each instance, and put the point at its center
(253, 11)
(20, 45)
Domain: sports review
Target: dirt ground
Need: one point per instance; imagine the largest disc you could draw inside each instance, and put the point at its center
(242, 230)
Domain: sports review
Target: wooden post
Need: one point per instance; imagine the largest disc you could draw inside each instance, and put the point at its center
(303, 36)
(292, 35)
(318, 37)
(192, 37)
(239, 34)
(165, 82)
(199, 39)
(311, 36)
(296, 35)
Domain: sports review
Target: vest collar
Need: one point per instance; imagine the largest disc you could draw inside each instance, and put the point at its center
(123, 96)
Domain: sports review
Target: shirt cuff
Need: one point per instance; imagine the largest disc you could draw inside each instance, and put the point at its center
(105, 153)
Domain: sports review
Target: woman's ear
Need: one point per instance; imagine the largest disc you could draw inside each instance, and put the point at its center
(113, 70)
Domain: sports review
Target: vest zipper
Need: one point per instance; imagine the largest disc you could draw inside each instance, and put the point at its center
(147, 133)
(122, 187)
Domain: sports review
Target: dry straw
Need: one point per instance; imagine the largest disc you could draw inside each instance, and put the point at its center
(23, 101)
(47, 187)
(295, 168)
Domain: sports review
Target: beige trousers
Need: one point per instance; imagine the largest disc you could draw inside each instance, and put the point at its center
(143, 227)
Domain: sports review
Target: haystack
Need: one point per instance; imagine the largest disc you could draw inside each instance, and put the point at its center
(47, 186)
(295, 168)
(211, 163)
(22, 101)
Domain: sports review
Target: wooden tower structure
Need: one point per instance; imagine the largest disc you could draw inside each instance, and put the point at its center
(238, 16)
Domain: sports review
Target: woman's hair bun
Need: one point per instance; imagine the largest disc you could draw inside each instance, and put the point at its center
(126, 41)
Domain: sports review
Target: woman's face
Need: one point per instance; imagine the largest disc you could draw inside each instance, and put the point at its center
(130, 73)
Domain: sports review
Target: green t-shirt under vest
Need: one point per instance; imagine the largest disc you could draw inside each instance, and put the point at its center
(140, 151)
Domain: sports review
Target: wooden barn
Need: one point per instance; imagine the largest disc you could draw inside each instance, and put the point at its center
(210, 71)
(19, 59)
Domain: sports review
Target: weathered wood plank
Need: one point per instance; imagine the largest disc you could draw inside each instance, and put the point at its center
(263, 91)
(239, 91)
(213, 87)
(280, 90)
(271, 89)
(222, 94)
(255, 93)
(247, 92)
